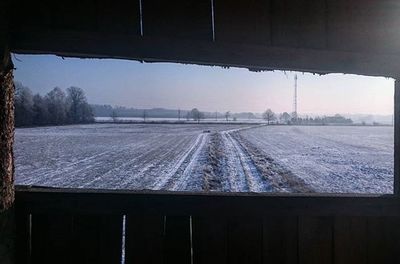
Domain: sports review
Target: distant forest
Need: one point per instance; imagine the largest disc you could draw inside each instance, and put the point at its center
(60, 107)
(120, 111)
(55, 108)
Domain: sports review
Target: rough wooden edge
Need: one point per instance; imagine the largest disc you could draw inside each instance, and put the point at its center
(253, 57)
(396, 184)
(6, 131)
(104, 202)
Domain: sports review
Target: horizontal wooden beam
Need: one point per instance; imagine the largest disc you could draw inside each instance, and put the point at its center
(34, 200)
(254, 57)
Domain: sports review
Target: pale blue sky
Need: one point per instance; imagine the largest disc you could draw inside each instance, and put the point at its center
(147, 85)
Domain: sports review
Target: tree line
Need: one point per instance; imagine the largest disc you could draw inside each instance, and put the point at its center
(55, 108)
(293, 118)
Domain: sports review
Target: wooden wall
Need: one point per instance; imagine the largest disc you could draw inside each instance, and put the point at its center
(358, 36)
(86, 227)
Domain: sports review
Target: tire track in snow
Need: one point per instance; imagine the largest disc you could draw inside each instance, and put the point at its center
(183, 168)
(243, 175)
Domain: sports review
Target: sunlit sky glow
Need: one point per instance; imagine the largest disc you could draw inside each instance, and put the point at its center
(148, 85)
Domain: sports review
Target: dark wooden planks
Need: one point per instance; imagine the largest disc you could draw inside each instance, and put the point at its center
(78, 15)
(210, 239)
(119, 16)
(383, 240)
(177, 18)
(280, 239)
(350, 238)
(364, 25)
(177, 243)
(106, 201)
(144, 239)
(97, 239)
(52, 236)
(298, 23)
(245, 240)
(64, 238)
(245, 21)
(315, 240)
(396, 184)
(23, 236)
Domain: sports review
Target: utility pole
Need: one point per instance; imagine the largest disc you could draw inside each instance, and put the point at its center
(179, 114)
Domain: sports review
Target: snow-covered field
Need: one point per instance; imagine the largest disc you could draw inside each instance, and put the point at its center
(212, 157)
(331, 159)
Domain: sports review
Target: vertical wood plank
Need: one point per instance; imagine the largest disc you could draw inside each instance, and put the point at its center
(350, 238)
(383, 240)
(97, 239)
(23, 236)
(177, 240)
(280, 239)
(362, 25)
(52, 238)
(209, 240)
(7, 88)
(177, 18)
(299, 23)
(144, 239)
(315, 240)
(396, 184)
(245, 21)
(119, 16)
(245, 240)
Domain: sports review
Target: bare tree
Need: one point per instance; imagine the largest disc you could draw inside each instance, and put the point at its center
(144, 115)
(196, 115)
(285, 118)
(78, 109)
(269, 116)
(40, 113)
(227, 115)
(57, 106)
(114, 116)
(23, 105)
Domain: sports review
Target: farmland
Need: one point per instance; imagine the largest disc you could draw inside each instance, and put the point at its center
(207, 157)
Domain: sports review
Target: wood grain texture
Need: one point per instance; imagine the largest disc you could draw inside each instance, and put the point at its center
(383, 240)
(245, 240)
(299, 23)
(7, 237)
(52, 237)
(350, 240)
(364, 25)
(177, 18)
(210, 240)
(118, 16)
(97, 239)
(280, 239)
(243, 21)
(315, 240)
(177, 243)
(6, 129)
(145, 236)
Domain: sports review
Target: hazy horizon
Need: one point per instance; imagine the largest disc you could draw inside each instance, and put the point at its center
(210, 89)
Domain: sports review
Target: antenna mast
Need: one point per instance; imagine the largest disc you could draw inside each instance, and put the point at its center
(295, 98)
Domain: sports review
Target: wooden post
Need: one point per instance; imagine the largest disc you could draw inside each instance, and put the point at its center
(7, 223)
(6, 132)
(7, 226)
(396, 187)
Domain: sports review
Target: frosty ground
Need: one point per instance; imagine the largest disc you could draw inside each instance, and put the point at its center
(207, 157)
